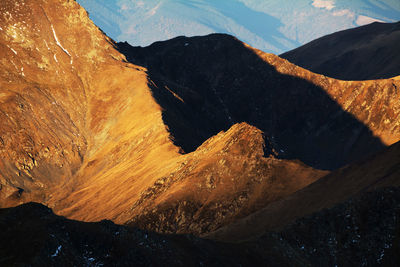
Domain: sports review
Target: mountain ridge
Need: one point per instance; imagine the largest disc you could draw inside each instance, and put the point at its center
(364, 53)
(218, 65)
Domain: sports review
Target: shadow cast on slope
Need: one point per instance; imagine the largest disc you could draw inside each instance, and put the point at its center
(207, 84)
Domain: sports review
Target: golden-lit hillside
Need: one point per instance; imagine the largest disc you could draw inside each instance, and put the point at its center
(83, 134)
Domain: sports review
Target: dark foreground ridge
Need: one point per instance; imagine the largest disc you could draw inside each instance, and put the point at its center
(363, 53)
(32, 235)
(361, 231)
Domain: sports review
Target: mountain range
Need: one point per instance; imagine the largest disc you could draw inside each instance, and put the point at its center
(272, 26)
(191, 151)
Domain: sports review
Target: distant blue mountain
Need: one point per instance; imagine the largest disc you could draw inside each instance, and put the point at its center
(273, 26)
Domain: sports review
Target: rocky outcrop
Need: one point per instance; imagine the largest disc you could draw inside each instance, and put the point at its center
(226, 178)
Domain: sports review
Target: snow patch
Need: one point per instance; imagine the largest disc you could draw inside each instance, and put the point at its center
(15, 52)
(14, 65)
(48, 48)
(58, 42)
(55, 58)
(363, 20)
(57, 251)
(325, 4)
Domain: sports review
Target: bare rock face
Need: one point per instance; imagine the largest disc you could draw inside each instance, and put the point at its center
(363, 53)
(206, 84)
(42, 138)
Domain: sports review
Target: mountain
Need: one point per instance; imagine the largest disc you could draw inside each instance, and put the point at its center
(363, 53)
(273, 26)
(187, 136)
(81, 129)
(206, 84)
(209, 132)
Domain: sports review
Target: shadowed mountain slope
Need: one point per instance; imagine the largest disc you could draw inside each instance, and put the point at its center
(206, 84)
(361, 231)
(364, 53)
(379, 171)
(32, 235)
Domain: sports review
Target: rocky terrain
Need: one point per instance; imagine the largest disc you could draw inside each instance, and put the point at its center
(363, 53)
(204, 136)
(361, 231)
(226, 178)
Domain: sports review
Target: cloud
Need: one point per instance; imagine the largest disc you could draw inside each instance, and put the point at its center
(344, 12)
(326, 4)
